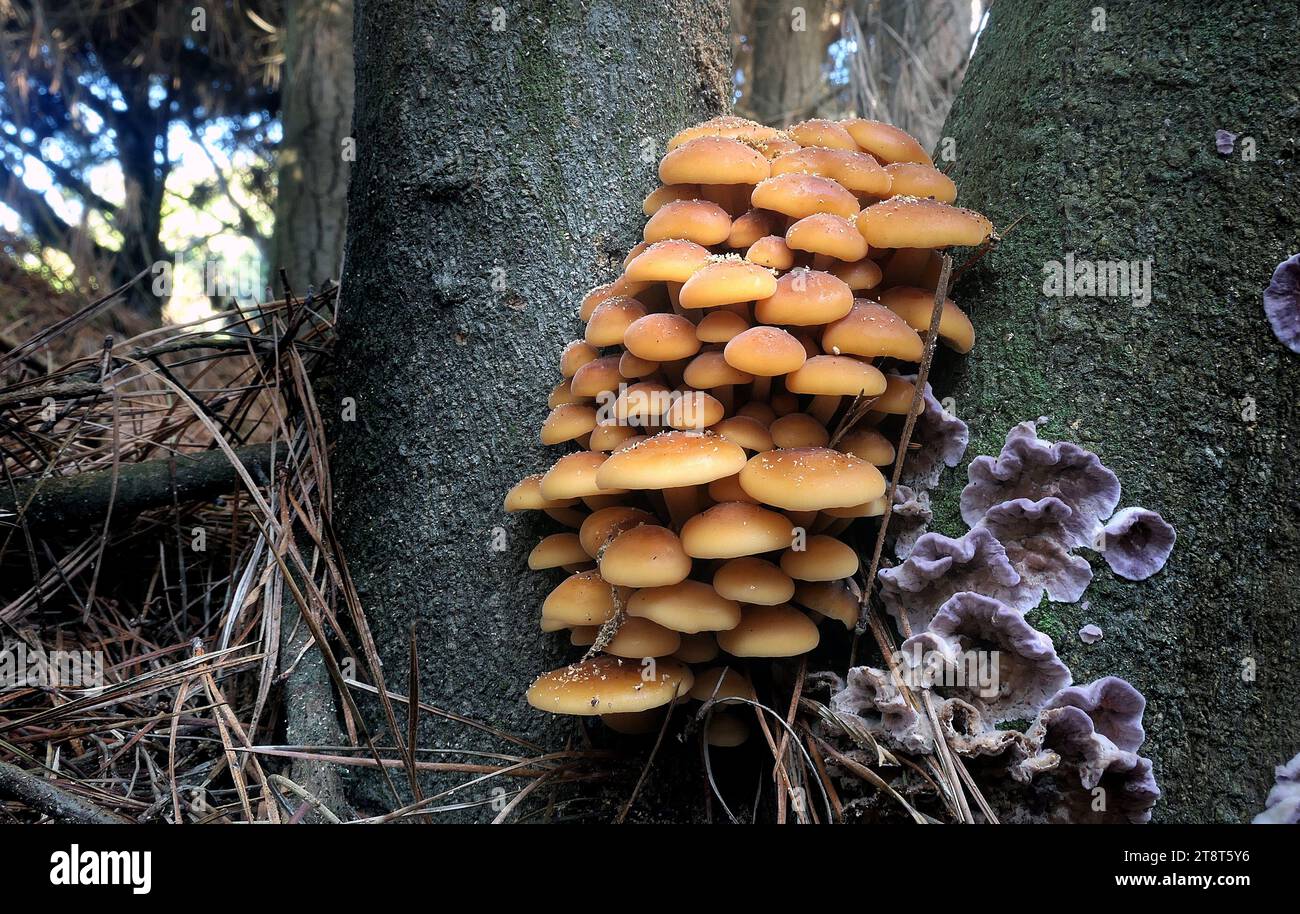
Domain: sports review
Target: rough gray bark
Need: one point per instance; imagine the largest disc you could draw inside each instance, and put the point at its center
(312, 162)
(1103, 143)
(502, 158)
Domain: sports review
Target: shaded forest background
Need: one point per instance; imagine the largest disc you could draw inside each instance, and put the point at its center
(215, 137)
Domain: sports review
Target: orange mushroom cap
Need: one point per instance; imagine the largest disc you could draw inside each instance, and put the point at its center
(824, 233)
(699, 221)
(726, 282)
(730, 126)
(836, 375)
(872, 330)
(671, 460)
(663, 337)
(770, 631)
(733, 529)
(764, 351)
(909, 222)
(771, 251)
(799, 195)
(810, 479)
(805, 298)
(610, 685)
(673, 260)
(713, 160)
(886, 142)
(916, 307)
(818, 132)
(856, 171)
(912, 179)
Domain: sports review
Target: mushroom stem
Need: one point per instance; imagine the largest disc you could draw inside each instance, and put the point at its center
(804, 519)
(683, 504)
(596, 502)
(823, 261)
(823, 523)
(674, 297)
(839, 525)
(741, 198)
(727, 397)
(823, 408)
(719, 194)
(762, 389)
(570, 517)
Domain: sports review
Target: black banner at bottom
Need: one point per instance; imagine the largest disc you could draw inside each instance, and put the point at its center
(145, 865)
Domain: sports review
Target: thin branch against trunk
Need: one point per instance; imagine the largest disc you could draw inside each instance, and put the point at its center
(46, 797)
(82, 499)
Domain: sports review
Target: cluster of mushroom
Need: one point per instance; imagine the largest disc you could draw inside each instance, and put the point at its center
(785, 277)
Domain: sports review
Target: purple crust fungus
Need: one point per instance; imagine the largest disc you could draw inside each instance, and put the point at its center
(963, 599)
(942, 438)
(1114, 707)
(1136, 543)
(1225, 141)
(908, 520)
(1283, 804)
(1090, 634)
(1037, 538)
(1081, 726)
(1125, 777)
(971, 632)
(940, 566)
(873, 696)
(1282, 302)
(1032, 468)
(970, 735)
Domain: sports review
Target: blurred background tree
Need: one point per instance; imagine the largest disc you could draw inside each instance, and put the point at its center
(133, 133)
(313, 157)
(214, 135)
(899, 61)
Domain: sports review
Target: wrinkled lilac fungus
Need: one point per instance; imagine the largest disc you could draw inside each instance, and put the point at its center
(1136, 543)
(1282, 302)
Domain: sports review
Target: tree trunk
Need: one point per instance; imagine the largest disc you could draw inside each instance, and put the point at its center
(141, 137)
(503, 153)
(788, 45)
(1098, 135)
(314, 155)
